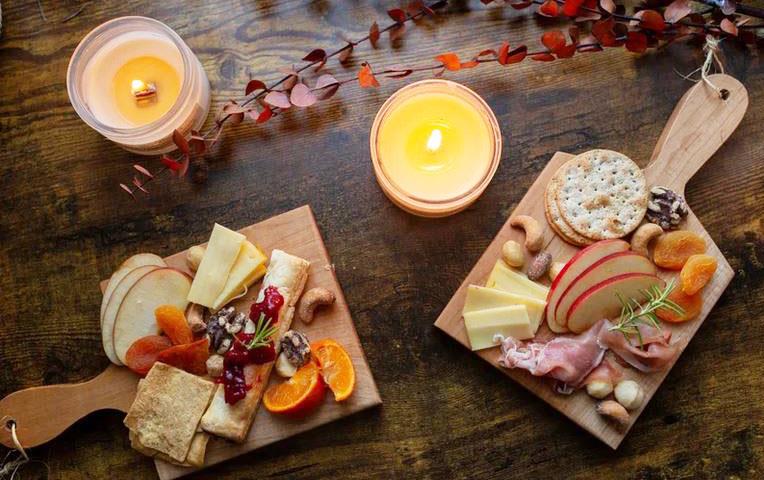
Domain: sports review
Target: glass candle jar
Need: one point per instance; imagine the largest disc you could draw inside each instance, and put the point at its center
(135, 81)
(435, 146)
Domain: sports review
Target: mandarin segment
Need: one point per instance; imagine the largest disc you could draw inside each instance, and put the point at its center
(299, 395)
(674, 248)
(691, 304)
(696, 273)
(336, 367)
(172, 322)
(143, 353)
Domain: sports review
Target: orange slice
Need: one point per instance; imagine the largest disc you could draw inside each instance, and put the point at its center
(336, 367)
(298, 395)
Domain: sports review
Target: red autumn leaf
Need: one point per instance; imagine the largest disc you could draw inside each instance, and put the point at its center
(315, 55)
(603, 32)
(397, 32)
(571, 7)
(139, 185)
(486, 52)
(727, 26)
(180, 141)
(291, 79)
(677, 10)
(397, 71)
(520, 5)
(236, 118)
(374, 34)
(344, 55)
(127, 189)
(253, 85)
(543, 57)
(301, 96)
(265, 115)
(589, 44)
(607, 5)
(651, 20)
(549, 8)
(553, 40)
(198, 144)
(143, 170)
(397, 15)
(170, 163)
(326, 87)
(636, 42)
(232, 107)
(517, 55)
(324, 81)
(566, 51)
(574, 32)
(278, 99)
(184, 163)
(450, 61)
(503, 55)
(470, 64)
(366, 77)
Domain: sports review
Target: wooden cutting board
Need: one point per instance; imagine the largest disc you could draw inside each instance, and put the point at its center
(699, 125)
(42, 413)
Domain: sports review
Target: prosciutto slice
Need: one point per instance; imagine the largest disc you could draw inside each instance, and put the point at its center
(657, 355)
(568, 359)
(605, 372)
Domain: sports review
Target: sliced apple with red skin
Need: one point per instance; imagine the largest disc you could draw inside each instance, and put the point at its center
(582, 260)
(112, 307)
(137, 260)
(135, 318)
(602, 300)
(605, 268)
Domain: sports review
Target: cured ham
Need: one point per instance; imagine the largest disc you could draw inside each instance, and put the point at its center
(605, 372)
(656, 355)
(568, 359)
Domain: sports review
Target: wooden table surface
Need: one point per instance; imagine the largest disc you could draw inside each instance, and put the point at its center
(65, 225)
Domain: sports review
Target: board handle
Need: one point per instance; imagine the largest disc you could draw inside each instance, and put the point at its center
(42, 413)
(701, 122)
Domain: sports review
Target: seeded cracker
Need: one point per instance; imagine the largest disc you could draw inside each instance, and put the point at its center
(602, 194)
(556, 221)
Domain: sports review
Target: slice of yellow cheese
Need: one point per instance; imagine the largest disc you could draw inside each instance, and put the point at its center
(248, 268)
(483, 325)
(504, 278)
(219, 257)
(483, 298)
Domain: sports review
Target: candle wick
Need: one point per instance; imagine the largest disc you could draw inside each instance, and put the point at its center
(142, 90)
(434, 141)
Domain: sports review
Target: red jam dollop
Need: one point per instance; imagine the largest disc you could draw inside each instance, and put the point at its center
(239, 356)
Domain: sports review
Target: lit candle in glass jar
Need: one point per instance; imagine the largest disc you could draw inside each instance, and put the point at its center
(135, 81)
(435, 145)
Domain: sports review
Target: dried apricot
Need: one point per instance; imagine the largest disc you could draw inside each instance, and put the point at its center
(142, 354)
(191, 357)
(690, 304)
(172, 322)
(674, 248)
(696, 273)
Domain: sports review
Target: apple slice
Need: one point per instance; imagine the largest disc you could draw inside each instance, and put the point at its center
(135, 318)
(605, 268)
(582, 260)
(602, 301)
(112, 307)
(138, 260)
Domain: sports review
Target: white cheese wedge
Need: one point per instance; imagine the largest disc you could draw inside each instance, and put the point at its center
(507, 321)
(483, 298)
(504, 278)
(248, 268)
(219, 257)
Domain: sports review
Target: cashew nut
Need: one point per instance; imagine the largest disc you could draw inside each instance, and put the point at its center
(194, 257)
(312, 299)
(512, 253)
(614, 411)
(555, 269)
(629, 394)
(534, 235)
(642, 237)
(195, 317)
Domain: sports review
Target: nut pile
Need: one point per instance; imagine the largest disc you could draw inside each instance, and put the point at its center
(221, 328)
(666, 208)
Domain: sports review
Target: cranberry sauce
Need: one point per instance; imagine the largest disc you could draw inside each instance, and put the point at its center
(239, 356)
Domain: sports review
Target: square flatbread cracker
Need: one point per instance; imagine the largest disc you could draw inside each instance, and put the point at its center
(602, 194)
(557, 223)
(167, 409)
(194, 458)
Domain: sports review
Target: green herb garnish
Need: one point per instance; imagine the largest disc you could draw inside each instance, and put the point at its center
(633, 313)
(263, 333)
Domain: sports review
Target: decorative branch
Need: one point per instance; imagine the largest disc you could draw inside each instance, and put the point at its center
(609, 26)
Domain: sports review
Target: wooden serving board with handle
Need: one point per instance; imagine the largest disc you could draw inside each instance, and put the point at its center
(699, 125)
(42, 413)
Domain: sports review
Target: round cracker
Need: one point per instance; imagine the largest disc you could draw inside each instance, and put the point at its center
(602, 194)
(556, 222)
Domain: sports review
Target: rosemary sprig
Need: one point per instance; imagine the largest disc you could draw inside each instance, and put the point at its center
(633, 313)
(263, 333)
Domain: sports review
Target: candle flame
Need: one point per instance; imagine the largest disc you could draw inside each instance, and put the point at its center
(141, 89)
(434, 141)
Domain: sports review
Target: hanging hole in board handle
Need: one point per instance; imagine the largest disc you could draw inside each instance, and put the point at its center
(724, 94)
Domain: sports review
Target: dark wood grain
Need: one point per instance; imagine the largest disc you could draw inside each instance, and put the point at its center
(65, 225)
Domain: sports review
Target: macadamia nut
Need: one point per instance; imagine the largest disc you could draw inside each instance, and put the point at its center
(629, 394)
(512, 253)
